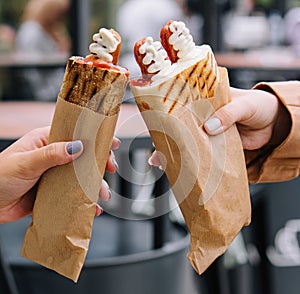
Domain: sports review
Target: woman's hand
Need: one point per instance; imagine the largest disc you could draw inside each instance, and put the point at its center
(260, 118)
(257, 113)
(26, 160)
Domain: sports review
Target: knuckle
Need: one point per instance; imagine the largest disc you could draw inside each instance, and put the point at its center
(51, 153)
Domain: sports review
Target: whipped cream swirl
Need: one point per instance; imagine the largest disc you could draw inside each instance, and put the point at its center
(105, 43)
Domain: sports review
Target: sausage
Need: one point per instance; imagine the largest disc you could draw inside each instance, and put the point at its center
(165, 35)
(139, 57)
(116, 54)
(153, 60)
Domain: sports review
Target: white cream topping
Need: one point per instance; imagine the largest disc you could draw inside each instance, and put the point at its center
(156, 56)
(105, 43)
(188, 53)
(181, 40)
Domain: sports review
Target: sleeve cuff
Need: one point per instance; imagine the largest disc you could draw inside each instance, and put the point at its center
(282, 163)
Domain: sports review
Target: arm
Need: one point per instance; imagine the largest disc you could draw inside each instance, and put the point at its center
(26, 160)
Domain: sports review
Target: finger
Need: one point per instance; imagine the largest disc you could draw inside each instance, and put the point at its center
(21, 209)
(115, 144)
(111, 164)
(154, 160)
(54, 154)
(99, 210)
(36, 138)
(105, 193)
(226, 116)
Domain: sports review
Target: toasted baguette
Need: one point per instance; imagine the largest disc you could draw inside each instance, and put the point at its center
(96, 88)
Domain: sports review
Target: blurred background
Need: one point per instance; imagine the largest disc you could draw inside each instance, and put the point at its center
(265, 31)
(143, 251)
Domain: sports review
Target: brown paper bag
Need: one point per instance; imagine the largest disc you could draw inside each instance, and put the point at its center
(207, 174)
(65, 205)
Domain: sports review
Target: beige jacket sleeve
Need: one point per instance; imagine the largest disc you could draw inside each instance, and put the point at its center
(279, 163)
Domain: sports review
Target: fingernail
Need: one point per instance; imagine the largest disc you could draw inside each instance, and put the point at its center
(109, 193)
(74, 147)
(117, 143)
(107, 188)
(150, 161)
(115, 163)
(213, 124)
(100, 210)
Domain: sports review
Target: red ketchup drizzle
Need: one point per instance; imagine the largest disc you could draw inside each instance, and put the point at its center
(104, 64)
(140, 82)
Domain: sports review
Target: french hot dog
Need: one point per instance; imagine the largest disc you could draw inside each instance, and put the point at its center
(182, 71)
(204, 172)
(67, 195)
(96, 81)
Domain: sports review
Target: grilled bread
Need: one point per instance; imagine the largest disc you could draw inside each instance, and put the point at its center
(98, 88)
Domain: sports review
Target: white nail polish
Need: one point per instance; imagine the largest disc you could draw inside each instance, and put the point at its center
(213, 124)
(150, 161)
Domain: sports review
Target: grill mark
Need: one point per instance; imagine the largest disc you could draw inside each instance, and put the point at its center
(115, 78)
(71, 64)
(212, 84)
(185, 101)
(170, 89)
(91, 96)
(182, 89)
(94, 91)
(173, 106)
(160, 86)
(80, 91)
(205, 84)
(205, 78)
(203, 68)
(75, 80)
(192, 71)
(208, 74)
(104, 74)
(101, 102)
(87, 85)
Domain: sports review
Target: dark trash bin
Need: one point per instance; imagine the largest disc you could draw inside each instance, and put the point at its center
(120, 260)
(280, 244)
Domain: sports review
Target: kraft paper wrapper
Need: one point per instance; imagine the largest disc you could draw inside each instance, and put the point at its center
(65, 205)
(207, 174)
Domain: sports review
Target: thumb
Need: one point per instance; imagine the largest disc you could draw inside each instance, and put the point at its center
(54, 154)
(224, 118)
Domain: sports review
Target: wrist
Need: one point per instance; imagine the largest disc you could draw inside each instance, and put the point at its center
(282, 125)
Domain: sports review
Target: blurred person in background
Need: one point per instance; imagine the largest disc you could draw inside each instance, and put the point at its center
(137, 19)
(7, 37)
(245, 27)
(292, 29)
(43, 33)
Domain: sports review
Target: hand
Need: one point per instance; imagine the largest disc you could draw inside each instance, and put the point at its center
(257, 114)
(26, 160)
